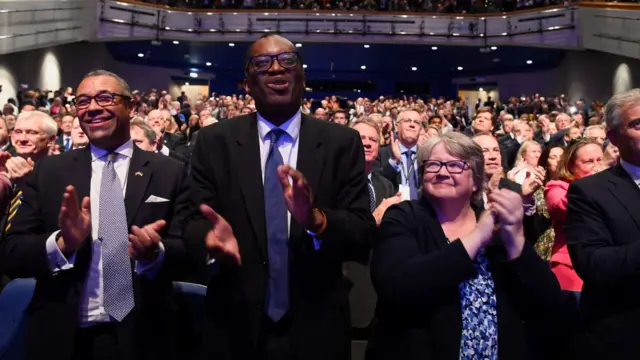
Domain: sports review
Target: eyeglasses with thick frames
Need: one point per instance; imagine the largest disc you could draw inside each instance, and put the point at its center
(102, 99)
(261, 63)
(453, 166)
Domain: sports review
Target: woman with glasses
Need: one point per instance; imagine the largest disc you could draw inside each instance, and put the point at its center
(580, 159)
(454, 282)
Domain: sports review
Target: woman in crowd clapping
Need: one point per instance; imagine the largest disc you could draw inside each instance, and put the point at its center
(452, 283)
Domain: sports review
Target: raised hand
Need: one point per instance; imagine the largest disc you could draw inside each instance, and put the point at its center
(220, 240)
(508, 207)
(384, 205)
(54, 149)
(143, 242)
(74, 221)
(297, 195)
(533, 182)
(18, 167)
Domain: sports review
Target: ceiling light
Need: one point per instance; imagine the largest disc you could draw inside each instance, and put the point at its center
(494, 48)
(232, 44)
(193, 75)
(363, 67)
(298, 45)
(208, 63)
(496, 60)
(176, 42)
(460, 68)
(304, 66)
(366, 46)
(434, 48)
(529, 62)
(414, 68)
(187, 84)
(140, 55)
(481, 89)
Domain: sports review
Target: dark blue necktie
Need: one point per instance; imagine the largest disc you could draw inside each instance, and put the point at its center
(412, 180)
(67, 144)
(277, 232)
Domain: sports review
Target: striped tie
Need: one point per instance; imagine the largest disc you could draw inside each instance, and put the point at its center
(13, 209)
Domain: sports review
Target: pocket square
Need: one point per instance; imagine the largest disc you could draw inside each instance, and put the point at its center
(156, 199)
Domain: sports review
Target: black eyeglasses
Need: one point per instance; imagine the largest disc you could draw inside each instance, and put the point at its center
(102, 99)
(453, 166)
(287, 60)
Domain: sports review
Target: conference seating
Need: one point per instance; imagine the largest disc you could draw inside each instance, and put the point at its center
(14, 299)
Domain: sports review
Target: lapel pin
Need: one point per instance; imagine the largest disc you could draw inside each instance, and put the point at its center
(138, 173)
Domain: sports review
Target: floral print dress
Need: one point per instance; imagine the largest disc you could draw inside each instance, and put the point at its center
(479, 314)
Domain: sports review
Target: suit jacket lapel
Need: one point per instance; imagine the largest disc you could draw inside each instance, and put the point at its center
(309, 163)
(378, 188)
(80, 178)
(626, 191)
(247, 149)
(137, 180)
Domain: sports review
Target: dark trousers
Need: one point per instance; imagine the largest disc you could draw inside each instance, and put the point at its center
(276, 339)
(99, 342)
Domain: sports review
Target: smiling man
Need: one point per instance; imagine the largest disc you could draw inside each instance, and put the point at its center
(288, 299)
(100, 230)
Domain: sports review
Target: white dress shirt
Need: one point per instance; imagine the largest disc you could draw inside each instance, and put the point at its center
(632, 170)
(92, 298)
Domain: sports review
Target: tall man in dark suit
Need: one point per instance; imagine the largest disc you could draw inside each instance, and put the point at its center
(100, 229)
(603, 236)
(381, 196)
(275, 248)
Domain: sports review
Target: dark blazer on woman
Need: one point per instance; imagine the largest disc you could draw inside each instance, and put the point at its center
(417, 274)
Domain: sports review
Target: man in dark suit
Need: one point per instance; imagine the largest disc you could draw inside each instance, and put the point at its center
(398, 161)
(64, 140)
(603, 236)
(381, 196)
(275, 249)
(103, 263)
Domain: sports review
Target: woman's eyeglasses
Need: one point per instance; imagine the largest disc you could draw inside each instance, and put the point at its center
(453, 166)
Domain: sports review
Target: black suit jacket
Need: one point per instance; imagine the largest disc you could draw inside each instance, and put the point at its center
(362, 298)
(226, 175)
(385, 169)
(147, 331)
(417, 274)
(603, 237)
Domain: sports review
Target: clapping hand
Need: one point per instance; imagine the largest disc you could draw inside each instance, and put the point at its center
(297, 195)
(18, 167)
(74, 221)
(507, 207)
(532, 183)
(220, 240)
(143, 242)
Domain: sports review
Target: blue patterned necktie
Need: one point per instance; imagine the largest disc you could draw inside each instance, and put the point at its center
(275, 210)
(412, 181)
(372, 195)
(114, 235)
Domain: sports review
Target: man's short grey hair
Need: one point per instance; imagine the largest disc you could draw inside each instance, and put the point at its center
(618, 103)
(121, 82)
(49, 125)
(592, 128)
(401, 114)
(462, 147)
(149, 133)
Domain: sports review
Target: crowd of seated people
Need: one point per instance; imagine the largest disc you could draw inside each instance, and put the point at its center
(539, 144)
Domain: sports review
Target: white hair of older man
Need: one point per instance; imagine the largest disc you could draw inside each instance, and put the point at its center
(48, 124)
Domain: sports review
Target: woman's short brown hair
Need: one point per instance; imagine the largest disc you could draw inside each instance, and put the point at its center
(568, 159)
(461, 146)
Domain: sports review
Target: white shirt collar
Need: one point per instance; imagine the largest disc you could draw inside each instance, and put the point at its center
(632, 170)
(125, 149)
(291, 126)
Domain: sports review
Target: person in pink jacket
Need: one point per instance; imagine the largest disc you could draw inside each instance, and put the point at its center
(580, 159)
